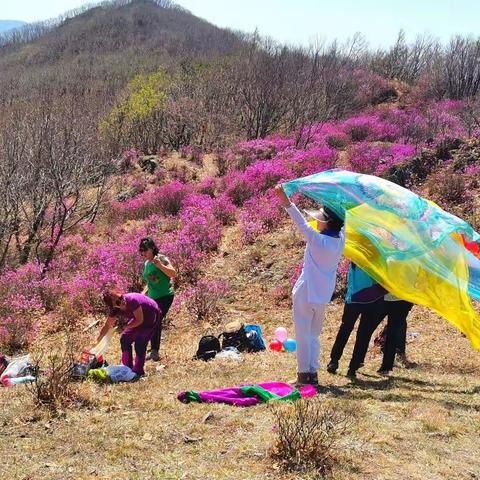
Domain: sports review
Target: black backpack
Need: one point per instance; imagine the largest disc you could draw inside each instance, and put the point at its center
(237, 339)
(208, 347)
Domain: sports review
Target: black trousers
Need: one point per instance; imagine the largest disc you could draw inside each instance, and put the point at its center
(371, 314)
(368, 324)
(396, 331)
(164, 304)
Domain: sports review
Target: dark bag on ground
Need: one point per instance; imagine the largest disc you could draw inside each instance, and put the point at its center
(79, 370)
(237, 339)
(208, 347)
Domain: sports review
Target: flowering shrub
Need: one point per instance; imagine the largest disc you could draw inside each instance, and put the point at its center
(370, 127)
(166, 199)
(256, 179)
(259, 215)
(106, 264)
(203, 298)
(208, 186)
(313, 160)
(264, 175)
(224, 210)
(372, 158)
(22, 298)
(204, 231)
(187, 259)
(337, 140)
(237, 189)
(372, 88)
(247, 153)
(359, 129)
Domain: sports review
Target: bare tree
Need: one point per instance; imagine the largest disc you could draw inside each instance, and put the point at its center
(54, 177)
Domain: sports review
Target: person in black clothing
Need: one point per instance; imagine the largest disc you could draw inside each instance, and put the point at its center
(396, 311)
(365, 300)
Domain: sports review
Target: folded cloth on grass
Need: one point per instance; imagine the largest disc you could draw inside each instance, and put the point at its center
(99, 375)
(248, 395)
(112, 373)
(120, 373)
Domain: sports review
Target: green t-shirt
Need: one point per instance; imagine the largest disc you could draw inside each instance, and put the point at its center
(158, 284)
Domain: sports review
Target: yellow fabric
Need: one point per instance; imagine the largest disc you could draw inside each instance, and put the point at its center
(409, 279)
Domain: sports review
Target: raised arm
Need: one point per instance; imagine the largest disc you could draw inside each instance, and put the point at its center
(295, 214)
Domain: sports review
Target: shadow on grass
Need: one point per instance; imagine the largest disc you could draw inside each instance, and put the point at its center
(386, 383)
(331, 390)
(360, 389)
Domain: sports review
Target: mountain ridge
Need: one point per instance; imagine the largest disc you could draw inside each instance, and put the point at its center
(7, 25)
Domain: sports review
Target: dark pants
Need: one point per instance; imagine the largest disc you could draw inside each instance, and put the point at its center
(396, 331)
(368, 324)
(164, 304)
(368, 313)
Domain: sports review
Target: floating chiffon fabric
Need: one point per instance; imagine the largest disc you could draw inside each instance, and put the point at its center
(248, 395)
(409, 245)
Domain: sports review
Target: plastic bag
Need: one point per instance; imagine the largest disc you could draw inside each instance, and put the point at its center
(229, 352)
(18, 367)
(101, 347)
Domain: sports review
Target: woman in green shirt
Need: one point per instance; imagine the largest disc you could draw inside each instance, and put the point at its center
(158, 274)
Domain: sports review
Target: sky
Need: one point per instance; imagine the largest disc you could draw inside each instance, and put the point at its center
(305, 21)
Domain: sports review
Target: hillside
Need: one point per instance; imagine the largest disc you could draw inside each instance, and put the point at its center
(134, 118)
(109, 43)
(216, 219)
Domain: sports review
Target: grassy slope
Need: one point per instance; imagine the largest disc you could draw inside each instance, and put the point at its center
(424, 424)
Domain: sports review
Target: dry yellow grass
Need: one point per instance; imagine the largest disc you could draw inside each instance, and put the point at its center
(421, 424)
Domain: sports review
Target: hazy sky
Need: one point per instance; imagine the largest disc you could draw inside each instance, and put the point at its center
(300, 21)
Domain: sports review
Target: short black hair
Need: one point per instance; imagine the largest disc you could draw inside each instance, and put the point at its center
(146, 244)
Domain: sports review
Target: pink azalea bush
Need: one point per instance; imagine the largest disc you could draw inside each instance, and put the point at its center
(23, 296)
(259, 215)
(313, 160)
(166, 199)
(249, 152)
(202, 299)
(375, 158)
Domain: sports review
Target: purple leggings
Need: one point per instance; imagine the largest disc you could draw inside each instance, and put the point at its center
(140, 337)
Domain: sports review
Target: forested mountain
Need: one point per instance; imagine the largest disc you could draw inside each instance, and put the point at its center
(107, 44)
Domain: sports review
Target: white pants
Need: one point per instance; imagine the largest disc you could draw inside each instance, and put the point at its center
(308, 320)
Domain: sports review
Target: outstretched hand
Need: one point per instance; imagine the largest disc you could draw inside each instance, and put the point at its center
(285, 202)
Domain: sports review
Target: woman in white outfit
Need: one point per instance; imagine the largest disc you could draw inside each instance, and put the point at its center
(316, 284)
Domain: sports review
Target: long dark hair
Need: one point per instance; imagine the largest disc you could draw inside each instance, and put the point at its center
(146, 244)
(110, 297)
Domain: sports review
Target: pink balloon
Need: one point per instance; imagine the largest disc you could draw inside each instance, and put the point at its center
(281, 334)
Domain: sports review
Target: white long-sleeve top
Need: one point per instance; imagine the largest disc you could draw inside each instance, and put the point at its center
(320, 261)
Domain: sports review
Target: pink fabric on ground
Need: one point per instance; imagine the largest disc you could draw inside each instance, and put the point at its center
(234, 395)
